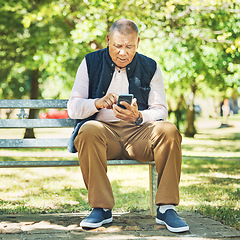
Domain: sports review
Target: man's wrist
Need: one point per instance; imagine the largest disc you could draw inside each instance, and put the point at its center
(96, 104)
(139, 120)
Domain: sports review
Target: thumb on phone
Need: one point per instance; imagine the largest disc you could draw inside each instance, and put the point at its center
(134, 102)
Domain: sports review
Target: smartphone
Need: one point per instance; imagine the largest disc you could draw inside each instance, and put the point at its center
(126, 98)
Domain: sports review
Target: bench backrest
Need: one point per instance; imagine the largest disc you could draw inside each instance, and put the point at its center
(34, 123)
(41, 143)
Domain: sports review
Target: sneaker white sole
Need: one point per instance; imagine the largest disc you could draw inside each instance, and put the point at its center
(171, 229)
(95, 225)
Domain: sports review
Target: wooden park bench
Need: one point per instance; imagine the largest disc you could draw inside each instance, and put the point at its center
(23, 122)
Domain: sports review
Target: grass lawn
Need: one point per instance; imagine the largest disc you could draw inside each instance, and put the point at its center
(210, 182)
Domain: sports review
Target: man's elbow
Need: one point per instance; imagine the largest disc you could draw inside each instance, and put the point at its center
(70, 111)
(165, 114)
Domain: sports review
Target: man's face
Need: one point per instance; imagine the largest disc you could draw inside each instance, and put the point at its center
(122, 48)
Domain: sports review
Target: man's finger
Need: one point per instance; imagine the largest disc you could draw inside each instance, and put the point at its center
(118, 108)
(125, 104)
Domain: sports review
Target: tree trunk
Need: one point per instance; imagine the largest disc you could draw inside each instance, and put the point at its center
(191, 130)
(180, 111)
(29, 132)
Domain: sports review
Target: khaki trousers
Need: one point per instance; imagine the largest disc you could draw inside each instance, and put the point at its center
(159, 141)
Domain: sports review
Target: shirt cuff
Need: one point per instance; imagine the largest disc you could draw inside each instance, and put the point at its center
(145, 117)
(92, 105)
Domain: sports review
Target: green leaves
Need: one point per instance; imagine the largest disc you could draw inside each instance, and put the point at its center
(196, 43)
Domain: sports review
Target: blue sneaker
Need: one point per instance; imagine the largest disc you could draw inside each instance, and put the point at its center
(97, 218)
(172, 221)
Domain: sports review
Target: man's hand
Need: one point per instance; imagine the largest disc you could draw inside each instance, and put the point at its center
(129, 114)
(107, 101)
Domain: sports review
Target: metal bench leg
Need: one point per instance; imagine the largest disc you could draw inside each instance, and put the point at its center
(152, 188)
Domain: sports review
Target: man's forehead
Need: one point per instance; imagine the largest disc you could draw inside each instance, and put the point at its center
(118, 37)
(117, 33)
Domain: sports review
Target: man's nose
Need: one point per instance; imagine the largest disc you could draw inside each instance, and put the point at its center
(122, 51)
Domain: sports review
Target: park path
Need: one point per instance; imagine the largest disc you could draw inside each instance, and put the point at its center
(135, 225)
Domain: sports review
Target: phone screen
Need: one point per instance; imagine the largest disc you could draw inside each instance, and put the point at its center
(125, 97)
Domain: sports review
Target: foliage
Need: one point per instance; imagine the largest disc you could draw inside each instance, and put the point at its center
(33, 40)
(196, 44)
(198, 49)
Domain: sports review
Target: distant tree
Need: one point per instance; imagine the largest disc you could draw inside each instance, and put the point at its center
(198, 47)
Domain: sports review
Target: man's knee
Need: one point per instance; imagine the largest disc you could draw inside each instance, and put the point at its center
(167, 130)
(90, 128)
(88, 132)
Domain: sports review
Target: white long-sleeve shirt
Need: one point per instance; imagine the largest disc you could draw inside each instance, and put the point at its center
(80, 107)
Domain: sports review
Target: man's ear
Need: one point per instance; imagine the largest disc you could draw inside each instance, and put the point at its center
(138, 41)
(108, 40)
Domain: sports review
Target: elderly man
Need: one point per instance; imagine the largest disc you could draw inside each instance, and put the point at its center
(104, 130)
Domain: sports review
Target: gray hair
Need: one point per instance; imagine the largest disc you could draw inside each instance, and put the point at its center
(124, 26)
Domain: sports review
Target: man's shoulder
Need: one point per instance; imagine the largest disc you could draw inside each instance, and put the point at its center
(147, 62)
(100, 52)
(145, 58)
(95, 59)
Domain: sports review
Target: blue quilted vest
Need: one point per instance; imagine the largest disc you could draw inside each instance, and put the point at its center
(100, 71)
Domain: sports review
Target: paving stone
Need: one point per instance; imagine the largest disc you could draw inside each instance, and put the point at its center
(46, 236)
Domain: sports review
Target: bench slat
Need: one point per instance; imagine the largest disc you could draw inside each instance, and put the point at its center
(37, 123)
(66, 163)
(31, 143)
(37, 164)
(33, 103)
